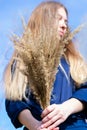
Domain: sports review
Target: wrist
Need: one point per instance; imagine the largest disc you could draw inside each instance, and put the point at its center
(25, 117)
(73, 105)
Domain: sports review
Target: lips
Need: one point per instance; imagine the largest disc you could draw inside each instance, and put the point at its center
(61, 33)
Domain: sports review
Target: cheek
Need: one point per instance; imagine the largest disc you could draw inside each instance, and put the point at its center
(59, 24)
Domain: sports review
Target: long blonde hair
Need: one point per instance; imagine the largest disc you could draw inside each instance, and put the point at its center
(78, 66)
(16, 86)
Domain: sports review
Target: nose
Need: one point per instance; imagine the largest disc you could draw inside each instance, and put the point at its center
(63, 28)
(63, 25)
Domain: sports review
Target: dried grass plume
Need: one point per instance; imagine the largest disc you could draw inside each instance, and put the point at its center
(40, 57)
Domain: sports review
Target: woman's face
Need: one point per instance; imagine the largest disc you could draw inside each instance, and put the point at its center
(62, 22)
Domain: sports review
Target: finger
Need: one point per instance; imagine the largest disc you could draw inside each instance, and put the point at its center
(49, 122)
(55, 124)
(57, 128)
(48, 110)
(44, 129)
(49, 117)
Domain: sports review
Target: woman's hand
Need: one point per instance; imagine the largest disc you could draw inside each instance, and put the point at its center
(57, 128)
(54, 114)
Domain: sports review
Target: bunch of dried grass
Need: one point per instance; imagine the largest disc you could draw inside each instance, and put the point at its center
(41, 56)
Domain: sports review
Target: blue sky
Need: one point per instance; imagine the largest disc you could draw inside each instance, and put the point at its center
(10, 13)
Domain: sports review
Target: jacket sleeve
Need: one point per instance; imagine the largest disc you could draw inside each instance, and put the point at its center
(13, 109)
(81, 95)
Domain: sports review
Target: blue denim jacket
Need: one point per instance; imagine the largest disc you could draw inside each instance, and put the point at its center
(63, 89)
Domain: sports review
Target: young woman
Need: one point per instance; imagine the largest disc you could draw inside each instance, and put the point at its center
(67, 110)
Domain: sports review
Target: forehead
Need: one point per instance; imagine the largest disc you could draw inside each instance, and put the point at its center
(62, 12)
